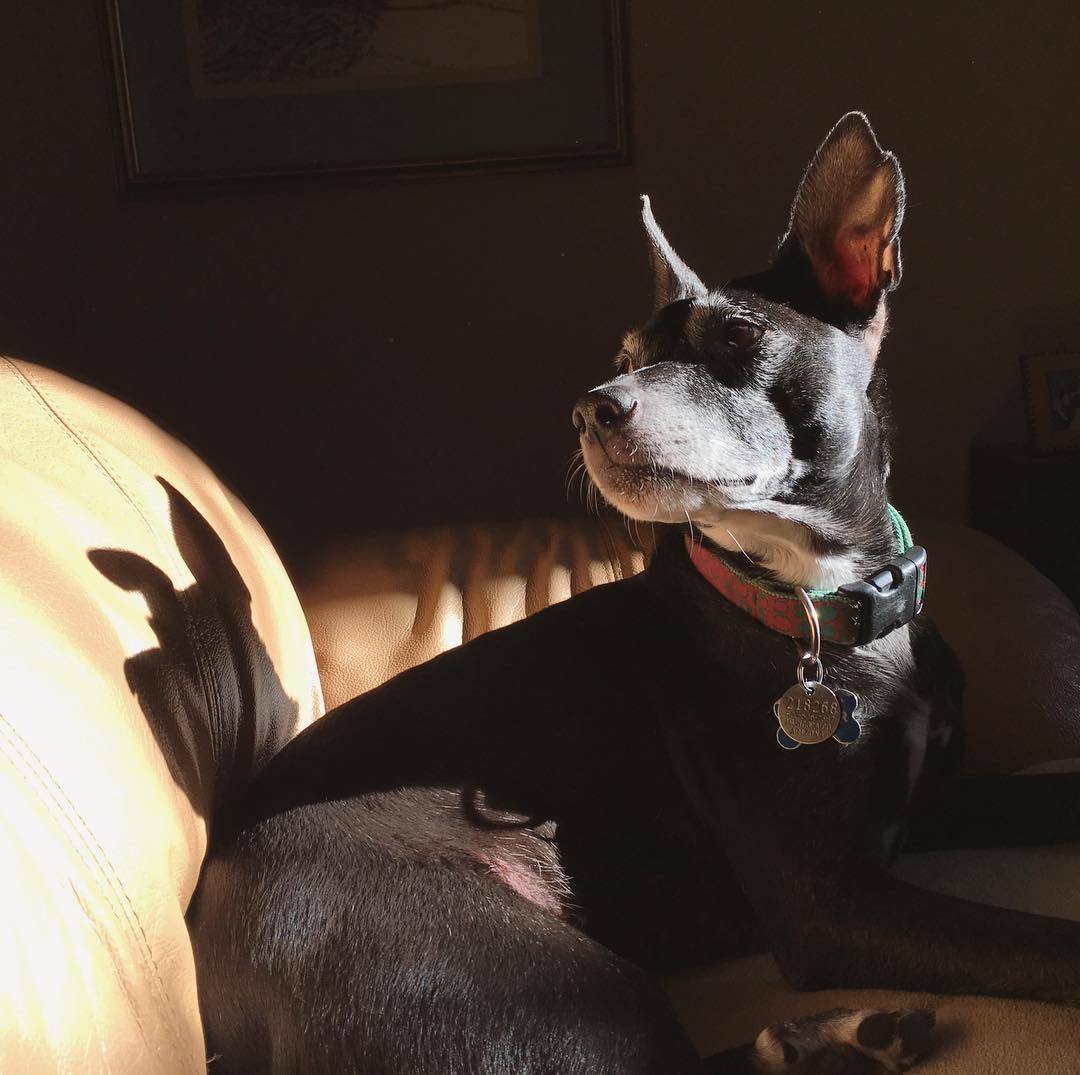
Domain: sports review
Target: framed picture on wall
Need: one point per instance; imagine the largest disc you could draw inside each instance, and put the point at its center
(1052, 392)
(213, 91)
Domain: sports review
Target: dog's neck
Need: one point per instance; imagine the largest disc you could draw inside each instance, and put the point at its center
(793, 553)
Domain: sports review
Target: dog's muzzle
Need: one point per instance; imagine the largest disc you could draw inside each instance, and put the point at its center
(604, 411)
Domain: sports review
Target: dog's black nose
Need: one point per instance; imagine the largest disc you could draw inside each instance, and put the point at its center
(603, 410)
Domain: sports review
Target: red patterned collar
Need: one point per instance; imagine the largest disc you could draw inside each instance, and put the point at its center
(853, 615)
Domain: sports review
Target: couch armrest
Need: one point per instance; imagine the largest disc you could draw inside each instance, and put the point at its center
(152, 655)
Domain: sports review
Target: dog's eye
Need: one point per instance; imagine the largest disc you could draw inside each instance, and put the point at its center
(742, 333)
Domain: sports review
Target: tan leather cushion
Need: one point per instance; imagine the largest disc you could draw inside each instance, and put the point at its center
(151, 646)
(381, 604)
(385, 602)
(1018, 637)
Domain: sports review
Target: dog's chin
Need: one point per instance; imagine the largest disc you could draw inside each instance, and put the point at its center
(657, 494)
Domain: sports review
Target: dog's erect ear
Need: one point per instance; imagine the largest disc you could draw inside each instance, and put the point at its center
(847, 216)
(673, 278)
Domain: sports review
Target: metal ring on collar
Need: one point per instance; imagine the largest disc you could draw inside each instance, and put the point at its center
(812, 619)
(808, 683)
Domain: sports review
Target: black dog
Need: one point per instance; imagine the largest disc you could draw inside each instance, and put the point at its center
(465, 870)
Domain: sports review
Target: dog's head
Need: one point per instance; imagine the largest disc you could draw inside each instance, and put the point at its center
(753, 411)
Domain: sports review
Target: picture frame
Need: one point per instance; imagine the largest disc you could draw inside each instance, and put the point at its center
(1052, 394)
(213, 92)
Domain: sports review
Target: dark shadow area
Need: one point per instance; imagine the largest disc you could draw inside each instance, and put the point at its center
(210, 692)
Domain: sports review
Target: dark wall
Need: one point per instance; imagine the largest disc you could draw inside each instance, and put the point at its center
(358, 356)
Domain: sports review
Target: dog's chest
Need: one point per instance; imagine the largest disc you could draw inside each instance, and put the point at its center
(647, 860)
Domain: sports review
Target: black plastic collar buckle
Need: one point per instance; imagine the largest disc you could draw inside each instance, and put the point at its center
(890, 597)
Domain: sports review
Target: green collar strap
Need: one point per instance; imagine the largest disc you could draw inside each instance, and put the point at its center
(855, 614)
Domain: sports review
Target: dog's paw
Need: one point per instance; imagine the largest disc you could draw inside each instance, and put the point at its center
(846, 1042)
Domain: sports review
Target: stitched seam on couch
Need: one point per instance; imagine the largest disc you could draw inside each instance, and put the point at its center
(211, 695)
(96, 860)
(111, 948)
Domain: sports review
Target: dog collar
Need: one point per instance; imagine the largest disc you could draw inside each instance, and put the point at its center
(853, 615)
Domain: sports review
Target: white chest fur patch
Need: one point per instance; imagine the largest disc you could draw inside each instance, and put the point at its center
(781, 546)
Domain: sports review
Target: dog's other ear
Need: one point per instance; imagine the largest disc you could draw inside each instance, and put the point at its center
(847, 216)
(673, 278)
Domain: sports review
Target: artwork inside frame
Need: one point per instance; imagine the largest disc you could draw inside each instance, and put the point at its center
(212, 91)
(1052, 392)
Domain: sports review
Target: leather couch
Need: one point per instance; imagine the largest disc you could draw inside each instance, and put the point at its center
(154, 654)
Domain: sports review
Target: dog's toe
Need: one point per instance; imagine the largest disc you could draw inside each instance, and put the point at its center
(916, 1030)
(897, 1040)
(877, 1031)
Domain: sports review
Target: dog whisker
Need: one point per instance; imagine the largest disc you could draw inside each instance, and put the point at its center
(690, 524)
(576, 476)
(739, 544)
(574, 468)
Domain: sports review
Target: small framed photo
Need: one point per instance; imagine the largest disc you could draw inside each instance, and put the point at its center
(219, 91)
(1052, 391)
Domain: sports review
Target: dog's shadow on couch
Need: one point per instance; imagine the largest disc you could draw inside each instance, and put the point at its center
(209, 691)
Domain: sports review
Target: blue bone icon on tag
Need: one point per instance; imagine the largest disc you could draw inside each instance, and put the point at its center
(847, 731)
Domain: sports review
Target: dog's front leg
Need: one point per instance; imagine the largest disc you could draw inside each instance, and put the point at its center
(837, 920)
(857, 926)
